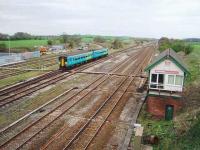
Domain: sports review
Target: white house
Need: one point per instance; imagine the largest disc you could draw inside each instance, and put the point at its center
(167, 73)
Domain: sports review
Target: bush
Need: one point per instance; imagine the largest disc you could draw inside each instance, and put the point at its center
(117, 44)
(2, 47)
(71, 44)
(176, 45)
(188, 49)
(164, 44)
(50, 42)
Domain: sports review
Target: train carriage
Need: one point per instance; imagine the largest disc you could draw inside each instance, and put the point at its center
(69, 61)
(100, 53)
(78, 59)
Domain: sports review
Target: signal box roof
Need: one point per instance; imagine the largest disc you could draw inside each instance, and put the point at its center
(168, 54)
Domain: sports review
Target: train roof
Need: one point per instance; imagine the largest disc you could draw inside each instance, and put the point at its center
(76, 52)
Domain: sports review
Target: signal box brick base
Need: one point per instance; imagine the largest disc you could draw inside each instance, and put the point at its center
(156, 105)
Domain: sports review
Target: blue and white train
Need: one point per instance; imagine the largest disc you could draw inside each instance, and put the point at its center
(70, 61)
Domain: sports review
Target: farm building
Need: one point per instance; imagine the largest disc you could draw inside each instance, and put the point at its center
(166, 82)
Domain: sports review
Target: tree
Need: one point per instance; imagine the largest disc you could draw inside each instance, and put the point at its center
(71, 44)
(21, 36)
(75, 39)
(176, 45)
(65, 38)
(188, 49)
(4, 36)
(50, 42)
(99, 39)
(164, 43)
(117, 44)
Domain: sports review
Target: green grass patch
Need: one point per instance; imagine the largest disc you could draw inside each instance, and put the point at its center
(167, 131)
(191, 139)
(193, 63)
(161, 128)
(87, 39)
(25, 43)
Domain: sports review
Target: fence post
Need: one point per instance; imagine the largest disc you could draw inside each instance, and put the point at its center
(138, 138)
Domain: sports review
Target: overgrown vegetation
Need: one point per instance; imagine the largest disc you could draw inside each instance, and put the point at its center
(193, 62)
(177, 45)
(160, 128)
(175, 134)
(117, 43)
(190, 140)
(99, 39)
(70, 40)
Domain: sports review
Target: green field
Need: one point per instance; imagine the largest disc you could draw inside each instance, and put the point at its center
(25, 43)
(30, 44)
(193, 63)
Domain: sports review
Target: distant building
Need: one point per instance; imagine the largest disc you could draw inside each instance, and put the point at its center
(56, 47)
(166, 78)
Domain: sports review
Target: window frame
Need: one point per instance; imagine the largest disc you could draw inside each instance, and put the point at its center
(174, 83)
(182, 79)
(156, 84)
(168, 79)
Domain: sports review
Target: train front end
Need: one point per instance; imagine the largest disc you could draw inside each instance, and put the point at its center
(63, 63)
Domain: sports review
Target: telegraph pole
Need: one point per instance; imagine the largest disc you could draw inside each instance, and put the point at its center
(9, 44)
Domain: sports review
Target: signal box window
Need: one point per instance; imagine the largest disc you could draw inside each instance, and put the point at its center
(154, 78)
(171, 79)
(179, 80)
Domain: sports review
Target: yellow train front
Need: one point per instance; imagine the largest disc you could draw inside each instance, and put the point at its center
(62, 63)
(70, 61)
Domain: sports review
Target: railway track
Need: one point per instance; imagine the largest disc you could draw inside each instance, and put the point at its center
(94, 85)
(87, 133)
(65, 107)
(122, 65)
(36, 63)
(21, 64)
(10, 95)
(4, 73)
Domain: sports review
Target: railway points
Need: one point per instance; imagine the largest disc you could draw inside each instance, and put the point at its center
(120, 77)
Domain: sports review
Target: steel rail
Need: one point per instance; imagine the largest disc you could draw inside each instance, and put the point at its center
(115, 69)
(15, 96)
(30, 125)
(18, 134)
(100, 127)
(62, 130)
(21, 85)
(99, 109)
(6, 72)
(27, 115)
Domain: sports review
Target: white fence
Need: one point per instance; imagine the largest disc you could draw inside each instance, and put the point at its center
(5, 58)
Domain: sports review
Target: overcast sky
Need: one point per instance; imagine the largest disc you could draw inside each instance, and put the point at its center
(137, 18)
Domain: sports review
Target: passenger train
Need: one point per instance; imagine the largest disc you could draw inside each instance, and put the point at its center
(70, 61)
